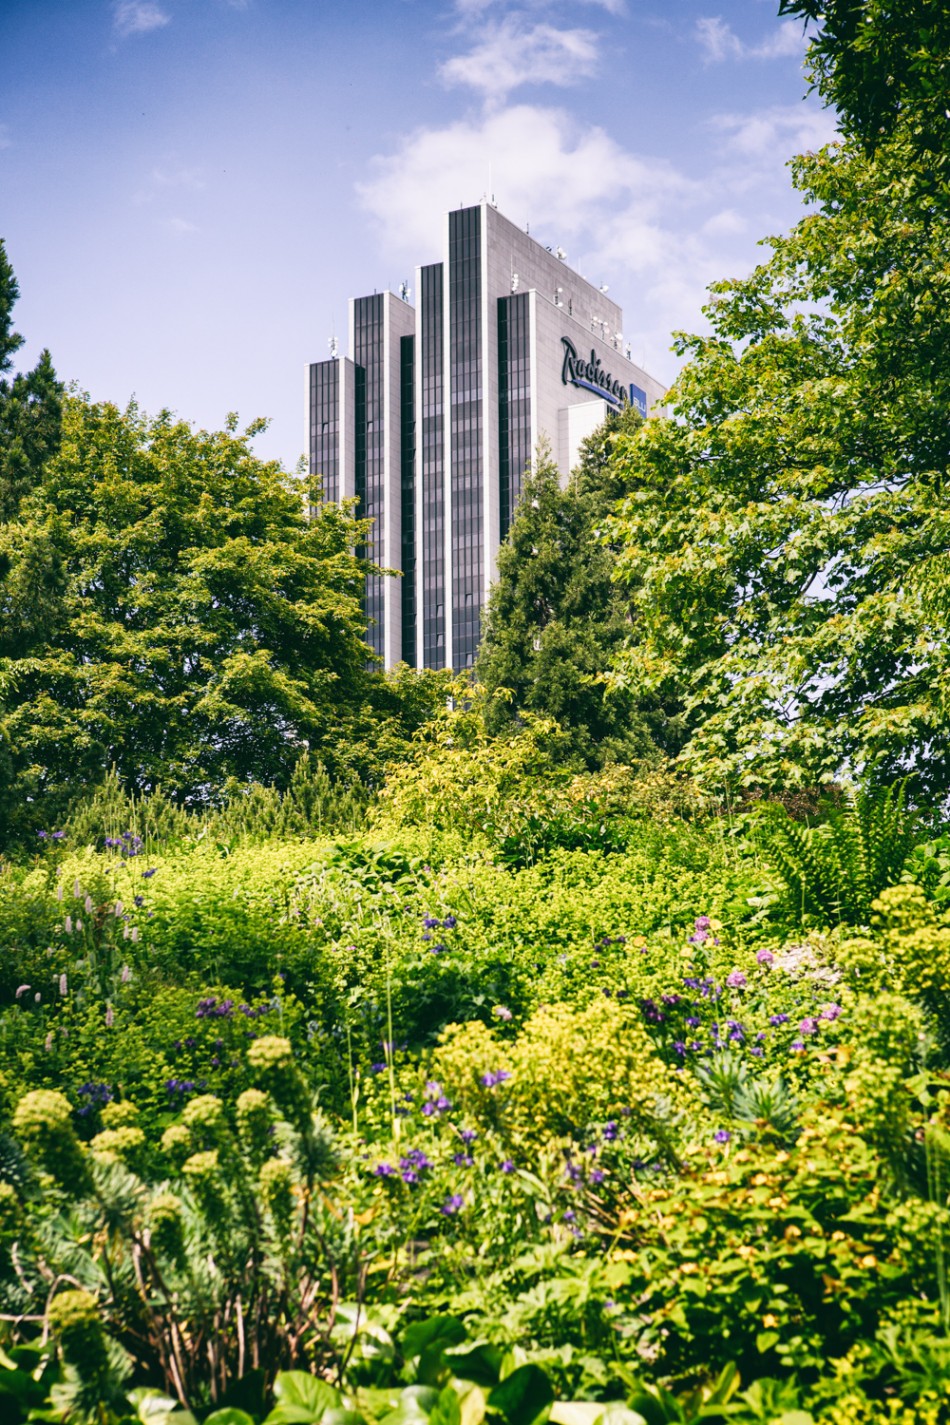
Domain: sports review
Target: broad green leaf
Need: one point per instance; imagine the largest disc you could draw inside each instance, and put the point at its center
(524, 1397)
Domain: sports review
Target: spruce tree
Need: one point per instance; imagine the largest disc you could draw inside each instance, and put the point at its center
(30, 407)
(556, 618)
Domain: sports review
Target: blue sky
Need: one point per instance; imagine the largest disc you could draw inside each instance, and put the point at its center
(190, 190)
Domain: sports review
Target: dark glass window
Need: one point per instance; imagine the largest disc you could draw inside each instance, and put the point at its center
(432, 467)
(325, 426)
(465, 371)
(514, 403)
(370, 435)
(407, 462)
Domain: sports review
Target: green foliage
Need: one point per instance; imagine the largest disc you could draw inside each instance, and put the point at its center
(556, 617)
(834, 871)
(780, 523)
(565, 1071)
(171, 611)
(884, 66)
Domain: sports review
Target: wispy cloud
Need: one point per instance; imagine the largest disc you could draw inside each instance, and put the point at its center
(472, 8)
(138, 17)
(793, 128)
(512, 54)
(181, 226)
(177, 178)
(720, 42)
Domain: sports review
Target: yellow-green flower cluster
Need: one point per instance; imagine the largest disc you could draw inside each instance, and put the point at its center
(42, 1120)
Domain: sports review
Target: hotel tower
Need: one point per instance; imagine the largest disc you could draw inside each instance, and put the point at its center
(433, 418)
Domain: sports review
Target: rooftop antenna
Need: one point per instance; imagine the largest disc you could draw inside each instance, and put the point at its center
(603, 287)
(559, 252)
(515, 280)
(332, 344)
(404, 291)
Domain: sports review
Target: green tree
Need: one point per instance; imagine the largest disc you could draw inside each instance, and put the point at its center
(781, 524)
(884, 66)
(30, 406)
(556, 617)
(168, 608)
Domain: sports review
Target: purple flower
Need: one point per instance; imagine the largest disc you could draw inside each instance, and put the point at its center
(410, 1176)
(722, 1135)
(468, 1135)
(449, 923)
(431, 923)
(808, 1026)
(384, 1170)
(147, 875)
(830, 1012)
(765, 957)
(798, 1046)
(502, 1012)
(597, 1175)
(429, 1108)
(452, 1205)
(735, 979)
(377, 1068)
(610, 1131)
(570, 1215)
(702, 922)
(777, 1019)
(507, 1166)
(462, 1160)
(679, 1047)
(493, 1077)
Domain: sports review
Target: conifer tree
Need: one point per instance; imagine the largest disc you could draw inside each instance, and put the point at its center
(30, 407)
(556, 618)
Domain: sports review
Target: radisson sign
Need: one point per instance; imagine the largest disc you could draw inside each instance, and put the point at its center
(591, 375)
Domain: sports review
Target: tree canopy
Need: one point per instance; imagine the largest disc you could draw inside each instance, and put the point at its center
(884, 66)
(168, 608)
(780, 525)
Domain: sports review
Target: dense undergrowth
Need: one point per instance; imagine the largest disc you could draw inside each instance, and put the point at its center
(583, 1102)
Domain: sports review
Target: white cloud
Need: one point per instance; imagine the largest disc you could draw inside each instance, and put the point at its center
(793, 128)
(178, 178)
(473, 8)
(181, 226)
(720, 42)
(724, 223)
(512, 54)
(546, 169)
(138, 17)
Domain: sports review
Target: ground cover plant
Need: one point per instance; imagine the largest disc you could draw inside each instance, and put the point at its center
(633, 1116)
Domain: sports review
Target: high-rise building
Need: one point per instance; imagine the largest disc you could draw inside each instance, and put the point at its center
(433, 418)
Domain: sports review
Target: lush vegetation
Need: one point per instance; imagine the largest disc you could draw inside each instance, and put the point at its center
(569, 1045)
